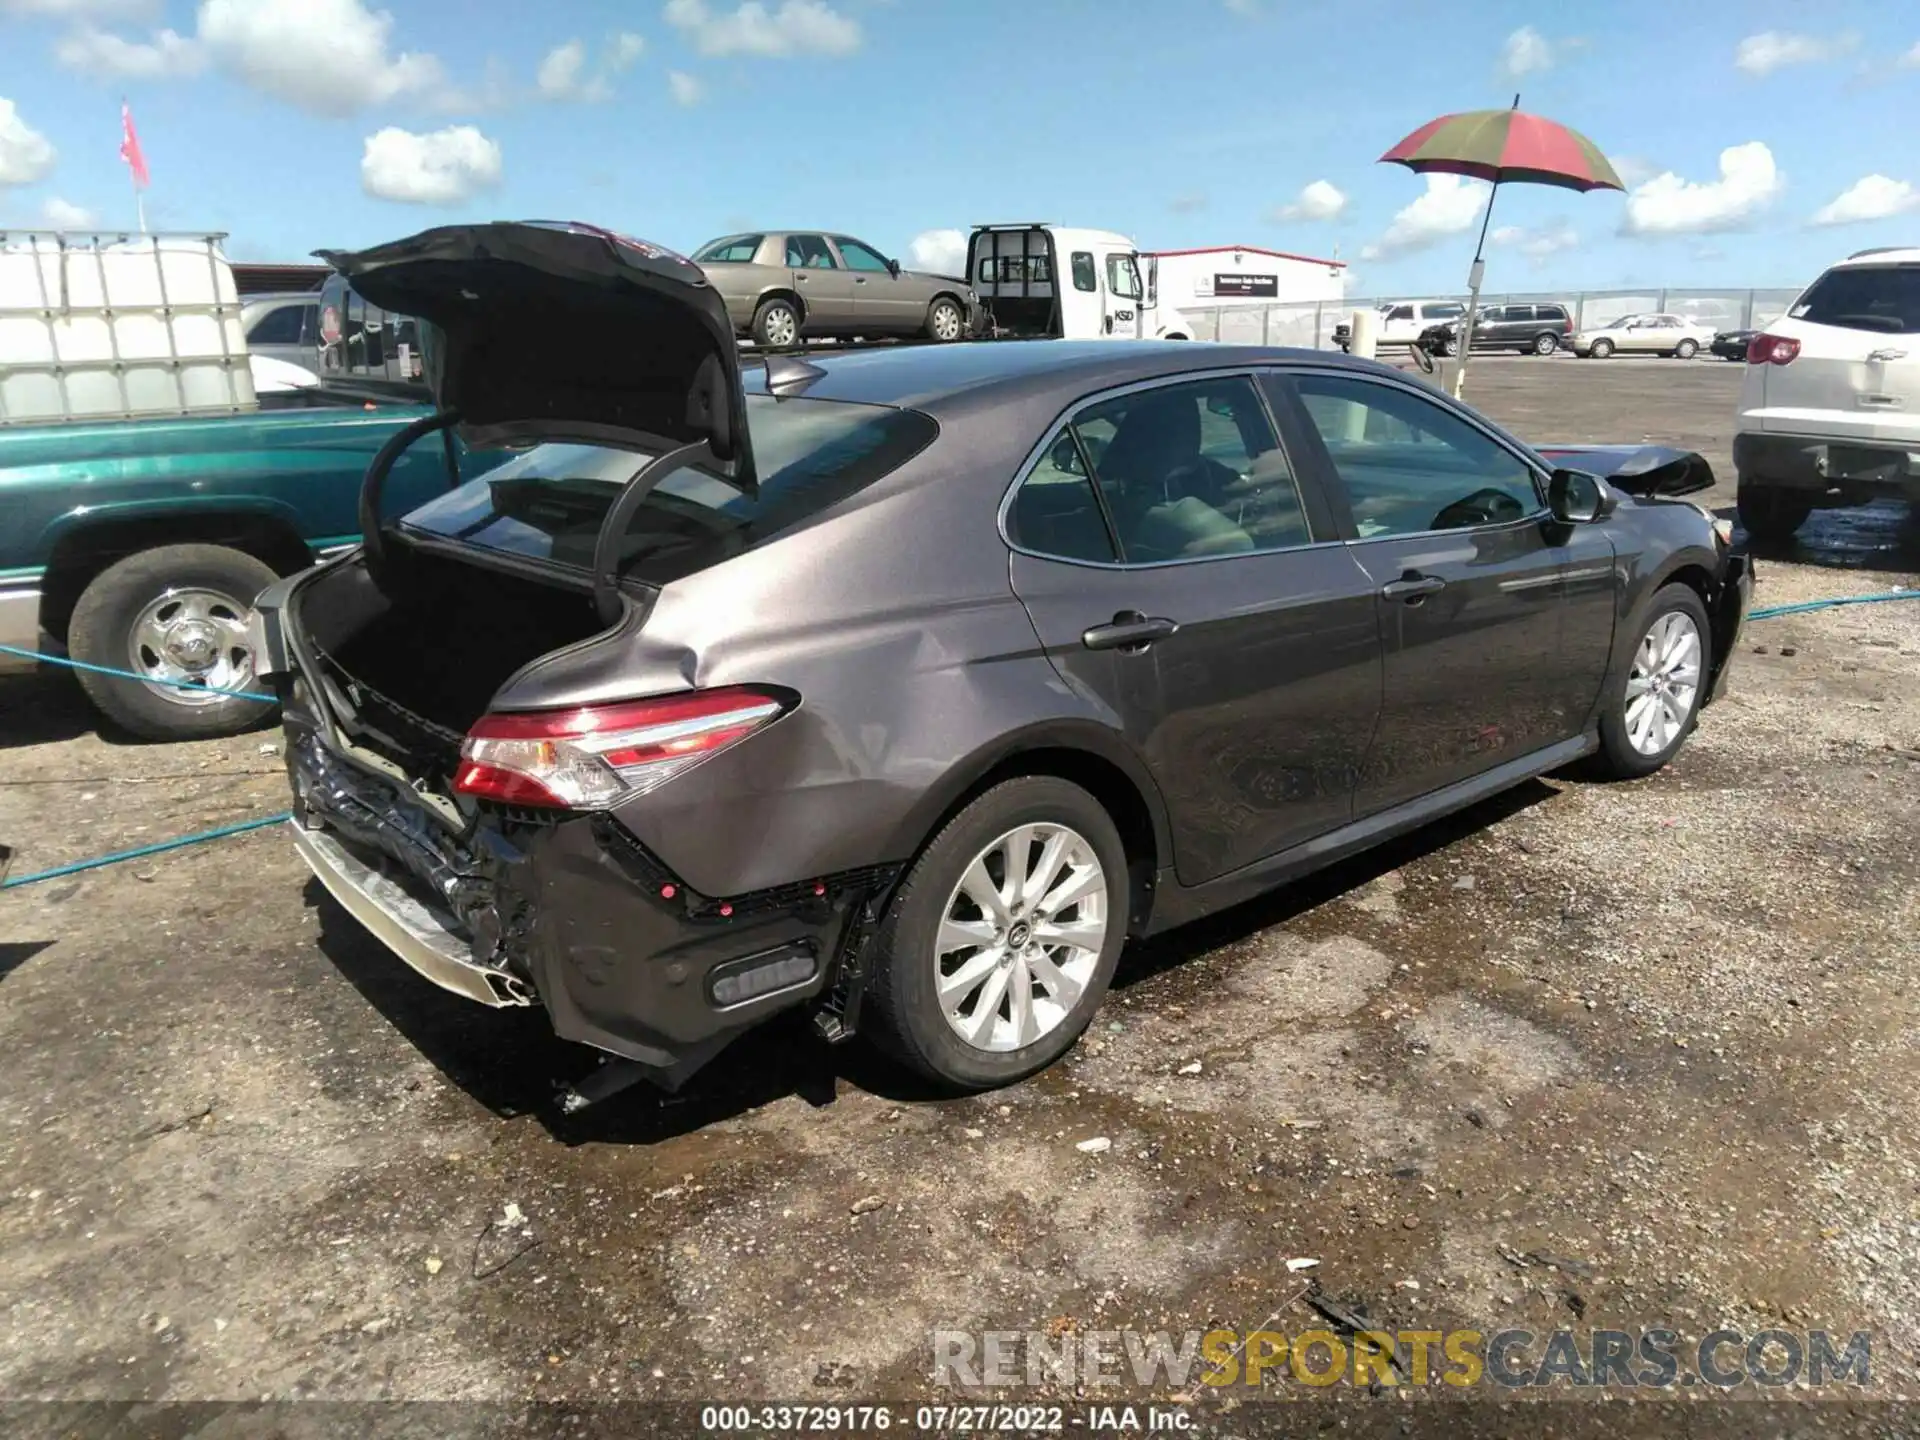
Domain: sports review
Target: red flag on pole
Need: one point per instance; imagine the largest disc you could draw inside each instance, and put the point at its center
(130, 148)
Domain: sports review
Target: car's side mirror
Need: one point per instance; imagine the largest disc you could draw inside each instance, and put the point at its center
(1577, 498)
(893, 268)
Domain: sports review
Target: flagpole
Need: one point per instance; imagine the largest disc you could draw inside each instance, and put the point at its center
(140, 208)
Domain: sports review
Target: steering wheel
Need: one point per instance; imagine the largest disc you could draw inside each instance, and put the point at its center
(1482, 507)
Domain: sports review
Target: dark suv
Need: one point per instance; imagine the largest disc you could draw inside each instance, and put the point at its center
(1529, 329)
(905, 685)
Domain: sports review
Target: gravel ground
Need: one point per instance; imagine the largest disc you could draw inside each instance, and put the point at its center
(1661, 1032)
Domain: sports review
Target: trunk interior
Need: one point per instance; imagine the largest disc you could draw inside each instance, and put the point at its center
(427, 656)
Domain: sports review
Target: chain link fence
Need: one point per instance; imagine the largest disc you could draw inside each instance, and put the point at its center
(1310, 324)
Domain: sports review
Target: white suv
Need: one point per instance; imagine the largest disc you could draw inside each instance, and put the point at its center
(1403, 321)
(1830, 408)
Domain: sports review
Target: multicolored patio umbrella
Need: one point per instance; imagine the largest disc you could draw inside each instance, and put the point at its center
(1504, 147)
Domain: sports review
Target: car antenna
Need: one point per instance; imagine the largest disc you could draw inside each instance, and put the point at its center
(790, 373)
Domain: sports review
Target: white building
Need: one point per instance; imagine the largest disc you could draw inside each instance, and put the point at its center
(1240, 275)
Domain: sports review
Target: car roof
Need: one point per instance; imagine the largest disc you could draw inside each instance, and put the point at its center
(947, 377)
(1889, 255)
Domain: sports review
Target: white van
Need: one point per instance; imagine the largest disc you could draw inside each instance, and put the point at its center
(1404, 321)
(1064, 282)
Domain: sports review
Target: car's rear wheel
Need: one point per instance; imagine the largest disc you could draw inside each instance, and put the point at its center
(1653, 703)
(177, 615)
(1686, 350)
(1601, 349)
(1000, 943)
(945, 321)
(776, 323)
(1771, 513)
(1545, 344)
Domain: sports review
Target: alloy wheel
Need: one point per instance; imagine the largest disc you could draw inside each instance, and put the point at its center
(195, 638)
(1021, 936)
(1664, 683)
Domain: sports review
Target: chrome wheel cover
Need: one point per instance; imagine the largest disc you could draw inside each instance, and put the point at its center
(196, 638)
(946, 322)
(1664, 684)
(782, 326)
(1021, 936)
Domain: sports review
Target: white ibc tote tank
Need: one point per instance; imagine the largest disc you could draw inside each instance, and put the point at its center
(118, 326)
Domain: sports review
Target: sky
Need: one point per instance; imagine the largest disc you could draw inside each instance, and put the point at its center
(1760, 140)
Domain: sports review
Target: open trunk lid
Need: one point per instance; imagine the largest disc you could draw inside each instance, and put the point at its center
(545, 330)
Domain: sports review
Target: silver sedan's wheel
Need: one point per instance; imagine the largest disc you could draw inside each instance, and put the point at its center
(944, 320)
(190, 644)
(1664, 684)
(1021, 937)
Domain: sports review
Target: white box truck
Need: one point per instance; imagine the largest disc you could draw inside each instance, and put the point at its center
(1034, 279)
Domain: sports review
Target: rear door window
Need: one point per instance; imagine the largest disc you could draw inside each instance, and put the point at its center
(1056, 512)
(810, 252)
(277, 327)
(1880, 299)
(547, 504)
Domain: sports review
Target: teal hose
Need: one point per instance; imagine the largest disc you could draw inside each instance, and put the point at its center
(130, 675)
(1805, 605)
(158, 848)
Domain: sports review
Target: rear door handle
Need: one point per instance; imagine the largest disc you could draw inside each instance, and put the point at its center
(1412, 587)
(1130, 631)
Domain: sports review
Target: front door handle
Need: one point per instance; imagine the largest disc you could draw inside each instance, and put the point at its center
(1412, 587)
(1130, 631)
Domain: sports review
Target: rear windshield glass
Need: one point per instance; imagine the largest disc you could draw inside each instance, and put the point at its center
(1881, 298)
(547, 504)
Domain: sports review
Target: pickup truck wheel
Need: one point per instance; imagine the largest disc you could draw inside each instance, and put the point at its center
(1651, 706)
(776, 323)
(1000, 943)
(1770, 513)
(175, 613)
(944, 320)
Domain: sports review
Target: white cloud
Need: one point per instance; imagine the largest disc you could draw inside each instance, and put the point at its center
(943, 252)
(796, 27)
(443, 167)
(1873, 197)
(1450, 205)
(684, 88)
(25, 154)
(1549, 239)
(58, 214)
(1668, 205)
(1191, 203)
(90, 50)
(563, 75)
(327, 57)
(1772, 50)
(1633, 170)
(1317, 200)
(1525, 52)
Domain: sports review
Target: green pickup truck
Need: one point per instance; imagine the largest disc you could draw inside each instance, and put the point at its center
(139, 543)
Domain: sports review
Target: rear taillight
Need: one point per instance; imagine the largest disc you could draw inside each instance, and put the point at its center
(1772, 350)
(587, 758)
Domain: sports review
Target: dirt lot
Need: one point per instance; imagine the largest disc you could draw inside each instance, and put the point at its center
(1661, 1033)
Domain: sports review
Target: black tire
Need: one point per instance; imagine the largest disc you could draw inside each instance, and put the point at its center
(1771, 513)
(1619, 758)
(101, 633)
(1449, 348)
(1600, 349)
(776, 317)
(1686, 350)
(945, 314)
(1546, 344)
(901, 1001)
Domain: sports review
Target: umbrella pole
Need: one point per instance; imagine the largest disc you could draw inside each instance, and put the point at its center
(1473, 294)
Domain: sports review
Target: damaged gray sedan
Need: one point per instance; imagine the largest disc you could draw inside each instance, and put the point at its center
(905, 686)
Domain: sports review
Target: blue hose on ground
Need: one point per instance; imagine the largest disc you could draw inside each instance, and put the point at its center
(131, 675)
(1772, 610)
(159, 847)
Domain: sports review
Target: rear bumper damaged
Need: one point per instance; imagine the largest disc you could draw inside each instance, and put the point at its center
(569, 911)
